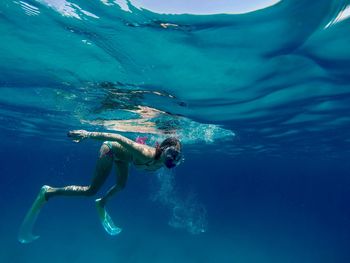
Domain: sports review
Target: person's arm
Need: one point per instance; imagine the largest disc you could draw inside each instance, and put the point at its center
(141, 151)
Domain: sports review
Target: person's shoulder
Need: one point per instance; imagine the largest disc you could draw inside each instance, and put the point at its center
(148, 151)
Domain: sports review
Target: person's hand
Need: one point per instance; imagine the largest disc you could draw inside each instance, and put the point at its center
(78, 135)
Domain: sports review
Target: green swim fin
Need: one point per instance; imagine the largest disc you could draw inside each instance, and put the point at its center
(106, 220)
(25, 233)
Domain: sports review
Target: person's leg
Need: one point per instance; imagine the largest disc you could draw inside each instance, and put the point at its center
(122, 173)
(102, 170)
(122, 169)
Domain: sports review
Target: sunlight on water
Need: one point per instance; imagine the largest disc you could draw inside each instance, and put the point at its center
(203, 7)
(343, 14)
(280, 72)
(28, 9)
(67, 8)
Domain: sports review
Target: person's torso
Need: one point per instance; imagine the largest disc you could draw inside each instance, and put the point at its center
(146, 163)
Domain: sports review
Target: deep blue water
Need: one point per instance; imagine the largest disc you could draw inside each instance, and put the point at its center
(261, 102)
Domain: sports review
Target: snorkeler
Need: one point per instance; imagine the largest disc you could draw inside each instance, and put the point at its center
(115, 149)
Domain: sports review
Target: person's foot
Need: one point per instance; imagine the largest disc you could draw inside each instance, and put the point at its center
(44, 191)
(25, 232)
(100, 202)
(106, 220)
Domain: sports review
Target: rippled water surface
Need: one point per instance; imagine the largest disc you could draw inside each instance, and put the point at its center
(261, 101)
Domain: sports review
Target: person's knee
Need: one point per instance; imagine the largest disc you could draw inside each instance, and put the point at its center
(105, 151)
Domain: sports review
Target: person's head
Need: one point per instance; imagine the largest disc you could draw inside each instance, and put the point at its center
(170, 152)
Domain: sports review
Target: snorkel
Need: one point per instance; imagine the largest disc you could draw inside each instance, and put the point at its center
(170, 152)
(172, 157)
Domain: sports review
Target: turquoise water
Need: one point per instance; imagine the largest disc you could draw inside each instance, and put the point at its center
(260, 101)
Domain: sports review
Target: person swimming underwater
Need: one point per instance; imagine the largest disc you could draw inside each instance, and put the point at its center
(115, 149)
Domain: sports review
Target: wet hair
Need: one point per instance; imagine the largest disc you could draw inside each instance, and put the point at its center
(168, 142)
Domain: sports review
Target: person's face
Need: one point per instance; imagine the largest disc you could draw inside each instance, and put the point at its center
(171, 157)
